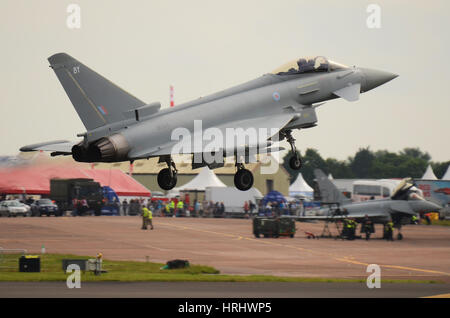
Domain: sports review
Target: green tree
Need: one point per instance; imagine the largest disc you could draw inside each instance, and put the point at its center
(362, 162)
(339, 169)
(410, 162)
(415, 153)
(440, 168)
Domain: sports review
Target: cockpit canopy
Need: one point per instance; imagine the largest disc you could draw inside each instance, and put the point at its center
(406, 190)
(309, 65)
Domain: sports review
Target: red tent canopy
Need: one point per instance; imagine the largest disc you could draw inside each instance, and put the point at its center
(36, 179)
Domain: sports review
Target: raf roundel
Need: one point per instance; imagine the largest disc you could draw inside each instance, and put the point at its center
(276, 96)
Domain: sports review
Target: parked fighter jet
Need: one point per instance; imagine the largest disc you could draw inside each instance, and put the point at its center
(121, 127)
(404, 203)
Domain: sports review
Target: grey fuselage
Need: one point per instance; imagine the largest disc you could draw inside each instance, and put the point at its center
(249, 100)
(383, 210)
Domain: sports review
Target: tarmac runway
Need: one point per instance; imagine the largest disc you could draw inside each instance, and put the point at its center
(228, 245)
(220, 290)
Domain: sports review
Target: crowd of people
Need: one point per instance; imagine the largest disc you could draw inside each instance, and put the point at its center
(184, 208)
(280, 208)
(176, 207)
(180, 207)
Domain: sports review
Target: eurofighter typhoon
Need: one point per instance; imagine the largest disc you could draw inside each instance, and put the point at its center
(244, 120)
(405, 202)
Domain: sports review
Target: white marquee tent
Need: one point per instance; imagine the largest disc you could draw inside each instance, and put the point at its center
(429, 174)
(206, 178)
(300, 187)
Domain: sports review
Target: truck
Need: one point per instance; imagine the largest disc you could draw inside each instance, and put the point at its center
(233, 199)
(436, 191)
(64, 191)
(273, 227)
(111, 202)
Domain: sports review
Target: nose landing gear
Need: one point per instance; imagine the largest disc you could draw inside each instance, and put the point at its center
(167, 177)
(243, 179)
(295, 162)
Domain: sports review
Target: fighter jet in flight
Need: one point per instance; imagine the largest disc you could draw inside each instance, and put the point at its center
(120, 127)
(405, 202)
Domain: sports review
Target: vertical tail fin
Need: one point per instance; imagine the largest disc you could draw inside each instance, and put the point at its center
(97, 100)
(328, 191)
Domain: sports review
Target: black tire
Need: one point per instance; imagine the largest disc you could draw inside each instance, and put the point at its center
(256, 234)
(165, 181)
(243, 179)
(295, 163)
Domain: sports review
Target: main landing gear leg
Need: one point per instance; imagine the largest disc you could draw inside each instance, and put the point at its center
(295, 163)
(167, 178)
(243, 179)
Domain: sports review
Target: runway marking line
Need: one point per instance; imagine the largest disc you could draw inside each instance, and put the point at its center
(335, 257)
(438, 296)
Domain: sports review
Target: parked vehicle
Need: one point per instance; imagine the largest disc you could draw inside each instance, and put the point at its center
(13, 208)
(27, 207)
(45, 207)
(273, 227)
(437, 191)
(66, 191)
(111, 202)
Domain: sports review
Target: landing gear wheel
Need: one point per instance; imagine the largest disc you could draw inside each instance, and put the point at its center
(165, 180)
(243, 179)
(295, 163)
(399, 236)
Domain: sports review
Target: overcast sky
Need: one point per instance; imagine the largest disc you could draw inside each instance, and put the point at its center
(204, 46)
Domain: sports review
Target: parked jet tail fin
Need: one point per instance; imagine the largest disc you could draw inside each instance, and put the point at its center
(328, 191)
(97, 100)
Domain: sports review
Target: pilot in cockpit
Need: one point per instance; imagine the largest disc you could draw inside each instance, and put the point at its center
(301, 64)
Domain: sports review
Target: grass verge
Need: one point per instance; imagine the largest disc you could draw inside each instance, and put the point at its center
(131, 271)
(441, 222)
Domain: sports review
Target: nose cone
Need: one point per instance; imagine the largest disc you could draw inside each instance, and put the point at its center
(432, 207)
(424, 206)
(374, 78)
